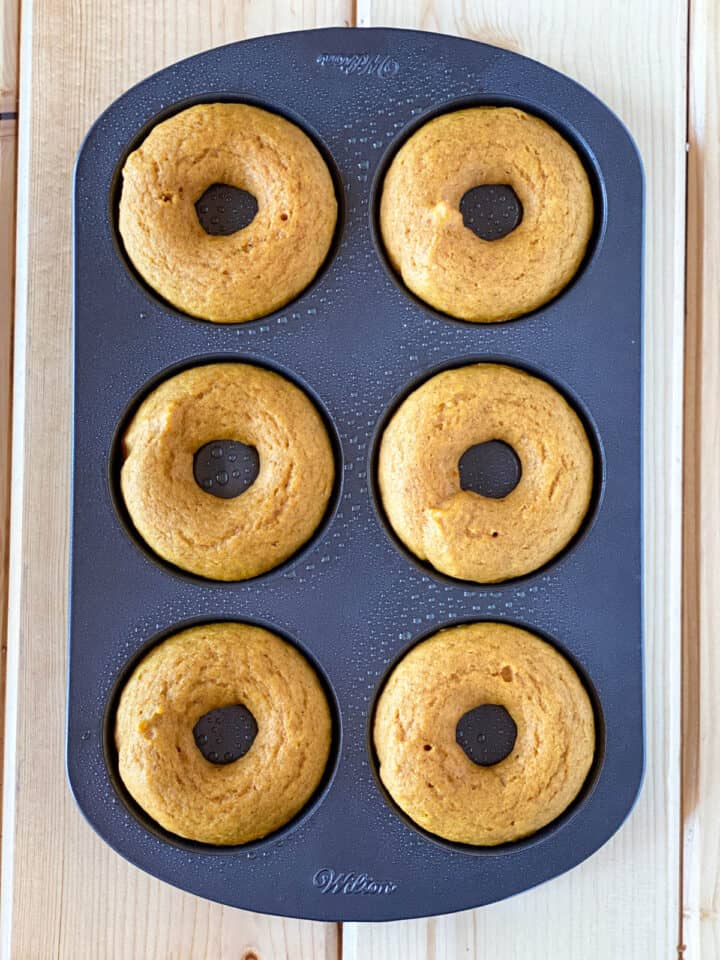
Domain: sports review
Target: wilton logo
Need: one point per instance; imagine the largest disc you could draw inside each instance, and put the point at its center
(330, 882)
(362, 64)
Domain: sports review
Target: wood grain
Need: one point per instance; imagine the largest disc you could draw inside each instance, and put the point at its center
(65, 893)
(701, 713)
(8, 156)
(72, 897)
(624, 902)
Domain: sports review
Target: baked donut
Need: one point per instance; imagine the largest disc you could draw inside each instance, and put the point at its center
(443, 261)
(236, 538)
(461, 533)
(249, 273)
(427, 772)
(206, 668)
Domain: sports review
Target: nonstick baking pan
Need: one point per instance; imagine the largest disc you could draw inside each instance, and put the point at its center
(353, 599)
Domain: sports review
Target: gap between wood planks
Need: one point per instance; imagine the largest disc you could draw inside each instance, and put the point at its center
(9, 45)
(689, 481)
(698, 922)
(690, 598)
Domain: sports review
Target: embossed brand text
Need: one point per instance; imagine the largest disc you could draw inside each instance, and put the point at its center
(362, 64)
(328, 881)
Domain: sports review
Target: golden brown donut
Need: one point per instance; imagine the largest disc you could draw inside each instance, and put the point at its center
(263, 526)
(448, 265)
(429, 775)
(247, 274)
(459, 532)
(206, 668)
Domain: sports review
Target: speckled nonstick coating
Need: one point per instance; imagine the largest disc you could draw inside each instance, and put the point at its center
(353, 600)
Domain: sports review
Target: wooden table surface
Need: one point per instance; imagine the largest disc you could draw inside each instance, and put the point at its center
(655, 885)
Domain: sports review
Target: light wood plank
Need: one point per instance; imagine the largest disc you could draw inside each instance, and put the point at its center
(8, 157)
(624, 902)
(65, 894)
(701, 767)
(9, 10)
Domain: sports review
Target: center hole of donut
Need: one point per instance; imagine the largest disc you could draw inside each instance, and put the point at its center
(223, 209)
(487, 734)
(225, 734)
(491, 469)
(491, 211)
(226, 468)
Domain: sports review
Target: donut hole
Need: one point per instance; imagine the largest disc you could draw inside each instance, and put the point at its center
(491, 210)
(487, 734)
(225, 468)
(490, 469)
(223, 209)
(226, 734)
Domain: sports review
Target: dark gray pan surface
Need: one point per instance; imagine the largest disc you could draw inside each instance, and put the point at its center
(353, 600)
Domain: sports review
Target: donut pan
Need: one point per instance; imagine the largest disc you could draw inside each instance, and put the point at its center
(353, 599)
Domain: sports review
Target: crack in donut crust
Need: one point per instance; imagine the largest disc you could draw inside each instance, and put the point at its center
(459, 532)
